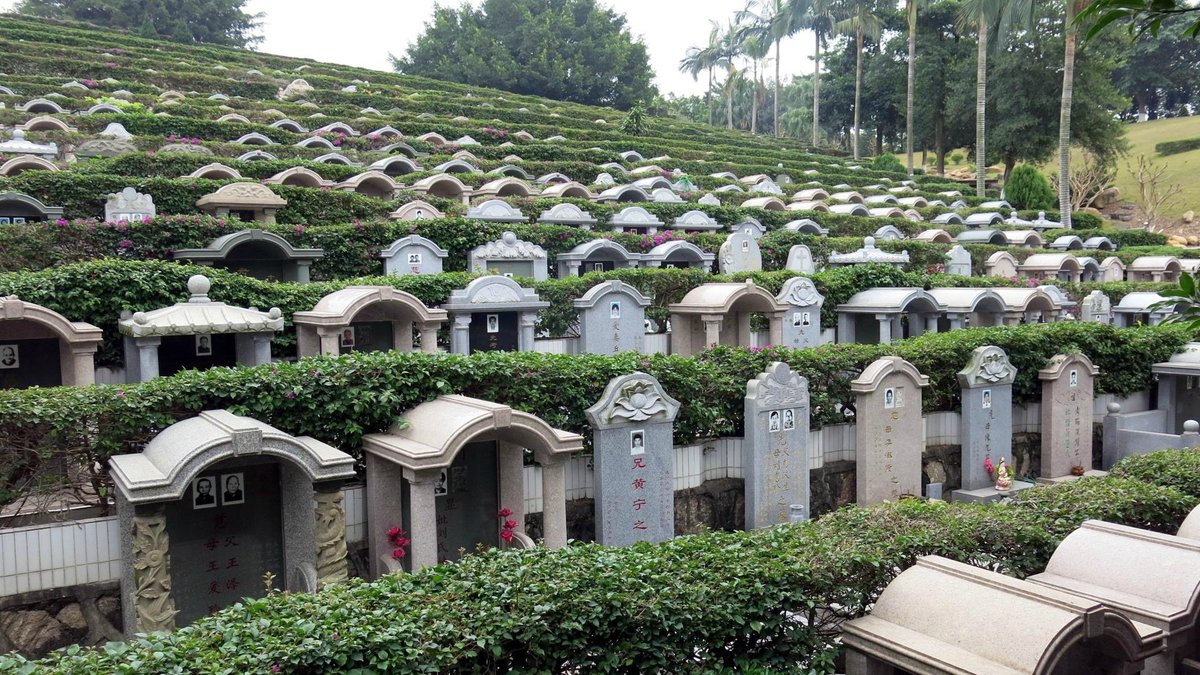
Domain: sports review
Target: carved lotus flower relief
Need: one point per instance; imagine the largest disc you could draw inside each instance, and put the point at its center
(637, 401)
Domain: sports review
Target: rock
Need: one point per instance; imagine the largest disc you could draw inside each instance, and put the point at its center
(1107, 197)
(71, 617)
(1193, 241)
(110, 608)
(1176, 241)
(33, 632)
(296, 88)
(1092, 211)
(1189, 217)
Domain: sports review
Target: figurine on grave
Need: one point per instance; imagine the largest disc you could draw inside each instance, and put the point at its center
(1003, 478)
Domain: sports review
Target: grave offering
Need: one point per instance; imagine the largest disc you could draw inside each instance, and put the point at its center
(889, 431)
(633, 429)
(775, 450)
(612, 317)
(413, 254)
(204, 511)
(986, 426)
(1067, 388)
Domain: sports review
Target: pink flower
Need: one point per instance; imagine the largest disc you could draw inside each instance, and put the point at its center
(394, 532)
(505, 512)
(510, 524)
(507, 536)
(125, 244)
(398, 553)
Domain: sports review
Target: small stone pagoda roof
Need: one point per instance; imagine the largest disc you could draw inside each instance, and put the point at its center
(200, 316)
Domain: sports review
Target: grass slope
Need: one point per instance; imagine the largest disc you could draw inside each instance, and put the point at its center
(1181, 168)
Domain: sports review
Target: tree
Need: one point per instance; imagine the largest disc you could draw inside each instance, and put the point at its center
(218, 22)
(770, 21)
(1027, 188)
(910, 13)
(862, 21)
(1162, 76)
(820, 19)
(1072, 7)
(571, 50)
(704, 58)
(1141, 15)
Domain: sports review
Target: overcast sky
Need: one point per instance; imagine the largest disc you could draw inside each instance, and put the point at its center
(362, 32)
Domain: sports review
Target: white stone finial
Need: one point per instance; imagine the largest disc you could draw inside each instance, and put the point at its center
(509, 238)
(1114, 407)
(198, 286)
(274, 313)
(18, 135)
(1191, 427)
(869, 242)
(140, 318)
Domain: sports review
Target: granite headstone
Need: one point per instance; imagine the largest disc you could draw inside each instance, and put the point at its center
(889, 431)
(1067, 391)
(986, 428)
(802, 324)
(740, 253)
(775, 449)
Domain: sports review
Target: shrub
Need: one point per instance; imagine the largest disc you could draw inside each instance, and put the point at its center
(1027, 188)
(888, 162)
(1179, 469)
(956, 158)
(1176, 147)
(769, 600)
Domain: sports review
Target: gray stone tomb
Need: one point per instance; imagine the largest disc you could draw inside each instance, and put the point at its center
(612, 319)
(1068, 383)
(801, 327)
(889, 430)
(800, 260)
(958, 261)
(986, 426)
(256, 253)
(740, 253)
(413, 254)
(493, 313)
(510, 256)
(633, 428)
(129, 206)
(775, 449)
(1096, 307)
(40, 347)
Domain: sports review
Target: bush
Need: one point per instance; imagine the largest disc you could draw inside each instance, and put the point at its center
(768, 600)
(1027, 188)
(1177, 147)
(888, 162)
(956, 158)
(1179, 469)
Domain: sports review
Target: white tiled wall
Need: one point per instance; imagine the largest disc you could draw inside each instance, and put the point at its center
(59, 554)
(355, 504)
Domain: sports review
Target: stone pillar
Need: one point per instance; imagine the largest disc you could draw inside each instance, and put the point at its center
(147, 352)
(885, 328)
(1013, 318)
(385, 508)
(429, 333)
(402, 335)
(83, 366)
(511, 461)
(262, 348)
(846, 327)
(554, 503)
(986, 428)
(570, 268)
(712, 330)
(956, 321)
(527, 335)
(422, 517)
(331, 339)
(775, 449)
(460, 334)
(1067, 391)
(889, 430)
(330, 534)
(858, 663)
(632, 437)
(776, 330)
(303, 271)
(153, 604)
(931, 323)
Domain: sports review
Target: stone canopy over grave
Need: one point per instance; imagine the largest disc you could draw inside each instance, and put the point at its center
(611, 318)
(679, 254)
(496, 211)
(566, 213)
(889, 430)
(633, 452)
(415, 210)
(129, 206)
(878, 315)
(16, 208)
(867, 254)
(32, 338)
(597, 255)
(446, 471)
(986, 427)
(198, 333)
(775, 449)
(255, 253)
(801, 327)
(696, 221)
(740, 253)
(249, 202)
(367, 318)
(19, 145)
(635, 219)
(720, 313)
(413, 254)
(510, 256)
(1067, 392)
(216, 501)
(942, 617)
(493, 313)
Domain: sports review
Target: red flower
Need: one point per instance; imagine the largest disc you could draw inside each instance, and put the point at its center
(507, 536)
(504, 513)
(510, 524)
(393, 532)
(398, 553)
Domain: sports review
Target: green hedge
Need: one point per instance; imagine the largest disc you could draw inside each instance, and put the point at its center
(763, 601)
(1177, 147)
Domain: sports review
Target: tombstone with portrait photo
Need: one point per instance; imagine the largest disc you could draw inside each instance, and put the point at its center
(1068, 383)
(493, 313)
(414, 255)
(612, 319)
(802, 324)
(889, 430)
(986, 426)
(633, 432)
(775, 449)
(216, 501)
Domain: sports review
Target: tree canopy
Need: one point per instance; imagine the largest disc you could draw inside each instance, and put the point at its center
(220, 22)
(571, 50)
(1141, 15)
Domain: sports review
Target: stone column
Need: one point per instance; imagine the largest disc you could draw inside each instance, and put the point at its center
(429, 333)
(330, 534)
(83, 366)
(402, 335)
(527, 335)
(931, 323)
(511, 460)
(153, 604)
(330, 338)
(712, 330)
(422, 517)
(262, 348)
(776, 327)
(571, 268)
(147, 348)
(303, 271)
(956, 321)
(554, 503)
(460, 334)
(1013, 318)
(858, 663)
(885, 328)
(385, 508)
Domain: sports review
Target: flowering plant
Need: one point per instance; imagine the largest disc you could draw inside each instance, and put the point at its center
(399, 540)
(987, 465)
(507, 526)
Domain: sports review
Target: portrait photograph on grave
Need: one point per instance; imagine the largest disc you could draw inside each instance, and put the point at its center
(10, 356)
(493, 323)
(348, 337)
(1074, 378)
(789, 419)
(203, 495)
(637, 442)
(614, 310)
(773, 421)
(204, 345)
(442, 487)
(889, 398)
(414, 258)
(233, 492)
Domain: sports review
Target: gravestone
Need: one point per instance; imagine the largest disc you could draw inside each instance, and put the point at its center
(775, 450)
(1067, 390)
(986, 428)
(800, 260)
(802, 323)
(633, 427)
(510, 257)
(413, 254)
(612, 319)
(493, 313)
(129, 206)
(889, 431)
(751, 227)
(740, 253)
(958, 261)
(1096, 307)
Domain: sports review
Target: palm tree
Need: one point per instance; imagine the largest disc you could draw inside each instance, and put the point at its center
(817, 16)
(1073, 8)
(728, 50)
(697, 59)
(910, 11)
(755, 49)
(862, 21)
(989, 16)
(770, 21)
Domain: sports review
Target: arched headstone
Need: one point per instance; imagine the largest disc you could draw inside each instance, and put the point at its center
(802, 324)
(740, 253)
(889, 431)
(1067, 390)
(986, 428)
(800, 260)
(775, 451)
(633, 429)
(611, 319)
(1096, 307)
(958, 261)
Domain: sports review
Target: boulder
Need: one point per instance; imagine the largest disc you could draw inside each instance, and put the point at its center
(1107, 197)
(295, 89)
(1189, 217)
(33, 632)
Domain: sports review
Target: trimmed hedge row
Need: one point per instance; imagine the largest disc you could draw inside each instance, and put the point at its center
(1177, 147)
(769, 600)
